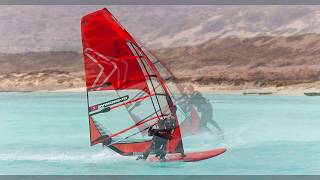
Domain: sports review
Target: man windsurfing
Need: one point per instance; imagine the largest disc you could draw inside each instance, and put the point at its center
(204, 107)
(161, 133)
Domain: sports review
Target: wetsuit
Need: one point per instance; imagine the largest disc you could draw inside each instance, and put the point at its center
(184, 103)
(205, 108)
(161, 135)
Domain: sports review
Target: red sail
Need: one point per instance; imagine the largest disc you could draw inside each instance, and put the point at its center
(126, 93)
(107, 58)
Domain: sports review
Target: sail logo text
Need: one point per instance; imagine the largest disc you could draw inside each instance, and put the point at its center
(109, 103)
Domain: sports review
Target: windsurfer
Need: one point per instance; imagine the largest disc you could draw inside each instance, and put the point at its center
(204, 107)
(161, 133)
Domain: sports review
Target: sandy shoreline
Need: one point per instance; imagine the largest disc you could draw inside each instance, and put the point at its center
(299, 89)
(77, 85)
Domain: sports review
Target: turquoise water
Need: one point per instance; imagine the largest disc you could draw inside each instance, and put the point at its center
(47, 133)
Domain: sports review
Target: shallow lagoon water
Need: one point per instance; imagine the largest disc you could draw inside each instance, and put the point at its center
(47, 133)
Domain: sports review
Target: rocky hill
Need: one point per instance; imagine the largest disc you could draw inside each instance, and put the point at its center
(261, 61)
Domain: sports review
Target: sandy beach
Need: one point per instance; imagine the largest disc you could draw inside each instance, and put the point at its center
(297, 90)
(55, 81)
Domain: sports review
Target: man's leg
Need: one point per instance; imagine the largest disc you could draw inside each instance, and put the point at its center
(157, 145)
(204, 120)
(147, 152)
(163, 149)
(215, 124)
(209, 116)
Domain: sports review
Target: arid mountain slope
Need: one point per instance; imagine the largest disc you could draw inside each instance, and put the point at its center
(263, 61)
(40, 61)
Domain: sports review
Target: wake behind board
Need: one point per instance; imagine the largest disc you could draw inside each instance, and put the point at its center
(191, 157)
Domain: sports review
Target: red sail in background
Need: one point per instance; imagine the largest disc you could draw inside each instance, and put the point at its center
(191, 123)
(121, 78)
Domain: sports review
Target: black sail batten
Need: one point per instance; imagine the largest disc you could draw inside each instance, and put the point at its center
(179, 147)
(154, 90)
(137, 53)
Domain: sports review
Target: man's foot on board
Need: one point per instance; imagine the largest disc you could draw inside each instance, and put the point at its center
(182, 155)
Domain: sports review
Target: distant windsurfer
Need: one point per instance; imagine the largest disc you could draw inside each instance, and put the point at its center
(204, 107)
(161, 133)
